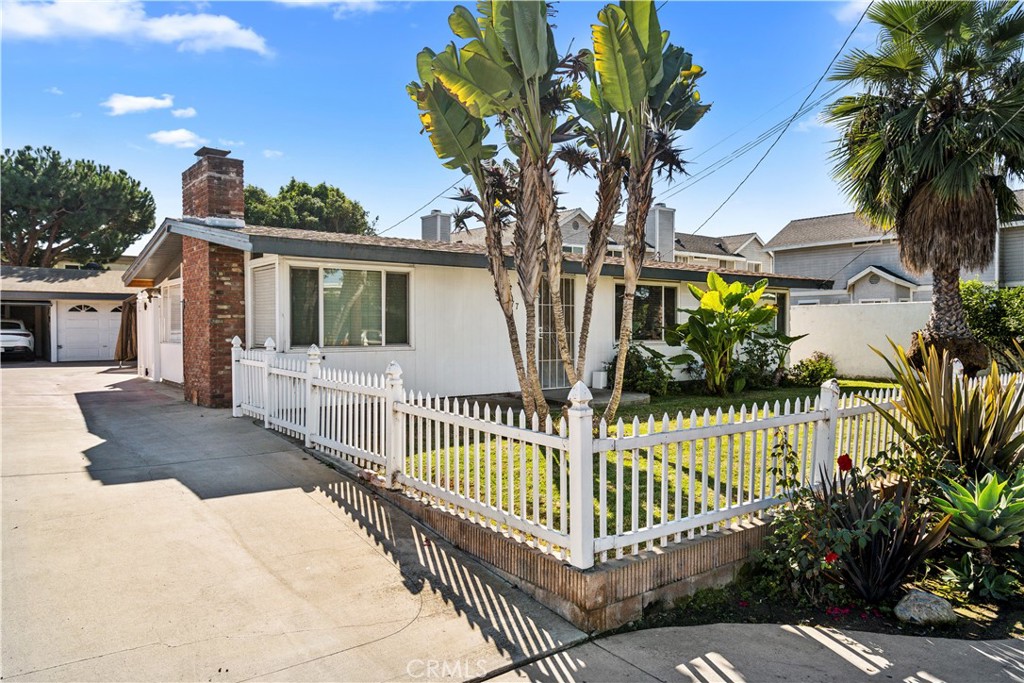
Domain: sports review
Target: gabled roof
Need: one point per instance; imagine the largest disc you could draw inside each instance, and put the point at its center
(702, 244)
(152, 263)
(886, 273)
(23, 283)
(823, 230)
(736, 242)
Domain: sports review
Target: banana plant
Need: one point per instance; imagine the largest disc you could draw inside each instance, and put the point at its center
(728, 315)
(651, 85)
(506, 69)
(458, 138)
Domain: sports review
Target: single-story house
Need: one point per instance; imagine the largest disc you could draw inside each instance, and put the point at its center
(74, 314)
(363, 300)
(864, 263)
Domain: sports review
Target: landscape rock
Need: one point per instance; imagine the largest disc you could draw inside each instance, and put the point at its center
(925, 609)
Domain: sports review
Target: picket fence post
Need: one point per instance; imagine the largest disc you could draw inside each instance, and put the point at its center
(824, 457)
(312, 394)
(581, 477)
(394, 439)
(236, 377)
(268, 403)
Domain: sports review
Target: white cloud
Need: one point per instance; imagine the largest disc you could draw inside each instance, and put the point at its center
(186, 113)
(273, 153)
(180, 137)
(120, 104)
(54, 90)
(339, 9)
(849, 11)
(127, 21)
(231, 143)
(813, 123)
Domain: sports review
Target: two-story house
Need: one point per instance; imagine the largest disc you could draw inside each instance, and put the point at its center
(864, 264)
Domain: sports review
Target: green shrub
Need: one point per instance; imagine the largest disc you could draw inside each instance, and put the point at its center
(973, 425)
(762, 358)
(646, 370)
(813, 371)
(995, 316)
(847, 533)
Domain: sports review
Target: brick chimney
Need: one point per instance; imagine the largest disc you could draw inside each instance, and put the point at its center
(436, 226)
(213, 277)
(213, 187)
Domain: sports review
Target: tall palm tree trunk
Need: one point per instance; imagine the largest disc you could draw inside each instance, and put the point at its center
(534, 189)
(503, 293)
(640, 194)
(947, 319)
(609, 199)
(553, 242)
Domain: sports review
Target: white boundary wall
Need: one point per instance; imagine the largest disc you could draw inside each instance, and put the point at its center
(847, 331)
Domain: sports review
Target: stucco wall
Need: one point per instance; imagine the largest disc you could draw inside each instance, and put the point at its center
(845, 332)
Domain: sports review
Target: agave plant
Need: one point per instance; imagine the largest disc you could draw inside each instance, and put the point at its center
(975, 424)
(985, 514)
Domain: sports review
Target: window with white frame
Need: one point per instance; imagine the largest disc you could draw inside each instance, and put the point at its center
(172, 314)
(346, 307)
(572, 248)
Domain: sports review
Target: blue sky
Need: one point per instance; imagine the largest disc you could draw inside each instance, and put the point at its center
(316, 90)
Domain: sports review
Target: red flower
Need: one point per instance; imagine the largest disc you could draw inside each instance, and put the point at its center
(845, 463)
(744, 603)
(831, 557)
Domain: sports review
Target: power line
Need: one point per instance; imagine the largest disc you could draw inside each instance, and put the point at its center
(425, 205)
(788, 123)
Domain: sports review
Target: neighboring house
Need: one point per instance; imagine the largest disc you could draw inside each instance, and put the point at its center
(743, 252)
(864, 263)
(363, 300)
(120, 263)
(74, 314)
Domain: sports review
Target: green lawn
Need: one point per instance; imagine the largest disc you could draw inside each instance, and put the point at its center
(674, 403)
(649, 485)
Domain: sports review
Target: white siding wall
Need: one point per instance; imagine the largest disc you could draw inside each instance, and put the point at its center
(845, 332)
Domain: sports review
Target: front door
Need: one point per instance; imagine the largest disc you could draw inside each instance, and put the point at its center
(549, 359)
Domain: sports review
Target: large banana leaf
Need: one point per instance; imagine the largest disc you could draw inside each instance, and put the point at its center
(472, 78)
(643, 18)
(618, 60)
(522, 26)
(456, 136)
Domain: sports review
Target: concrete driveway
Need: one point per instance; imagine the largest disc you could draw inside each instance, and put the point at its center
(147, 539)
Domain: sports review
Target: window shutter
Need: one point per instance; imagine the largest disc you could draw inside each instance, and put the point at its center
(264, 306)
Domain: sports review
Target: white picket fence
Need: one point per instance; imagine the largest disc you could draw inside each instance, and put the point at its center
(585, 499)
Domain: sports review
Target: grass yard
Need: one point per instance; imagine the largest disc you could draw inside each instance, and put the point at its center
(674, 403)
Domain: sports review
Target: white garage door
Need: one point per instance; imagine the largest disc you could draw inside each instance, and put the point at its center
(87, 330)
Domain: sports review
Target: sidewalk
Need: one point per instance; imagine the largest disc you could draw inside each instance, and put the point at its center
(756, 653)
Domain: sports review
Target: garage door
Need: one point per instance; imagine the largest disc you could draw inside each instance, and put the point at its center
(88, 330)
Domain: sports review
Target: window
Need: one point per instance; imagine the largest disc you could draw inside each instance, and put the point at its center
(264, 305)
(572, 249)
(115, 309)
(654, 309)
(82, 308)
(873, 301)
(754, 266)
(337, 307)
(172, 315)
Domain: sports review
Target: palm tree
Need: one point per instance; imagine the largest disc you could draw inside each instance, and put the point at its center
(651, 85)
(928, 144)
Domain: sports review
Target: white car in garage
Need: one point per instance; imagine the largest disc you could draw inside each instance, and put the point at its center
(15, 339)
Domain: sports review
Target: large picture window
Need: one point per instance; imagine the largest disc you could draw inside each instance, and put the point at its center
(339, 307)
(654, 309)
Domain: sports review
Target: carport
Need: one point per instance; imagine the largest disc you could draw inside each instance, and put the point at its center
(73, 314)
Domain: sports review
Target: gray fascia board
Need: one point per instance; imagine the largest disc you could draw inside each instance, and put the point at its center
(223, 236)
(151, 246)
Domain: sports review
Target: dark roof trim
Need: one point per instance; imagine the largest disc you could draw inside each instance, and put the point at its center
(413, 256)
(53, 296)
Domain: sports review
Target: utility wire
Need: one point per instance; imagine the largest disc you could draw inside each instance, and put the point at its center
(789, 123)
(425, 205)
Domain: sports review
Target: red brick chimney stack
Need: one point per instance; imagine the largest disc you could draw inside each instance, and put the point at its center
(214, 186)
(213, 277)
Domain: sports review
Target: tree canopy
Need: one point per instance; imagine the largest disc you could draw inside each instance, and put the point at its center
(54, 209)
(303, 206)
